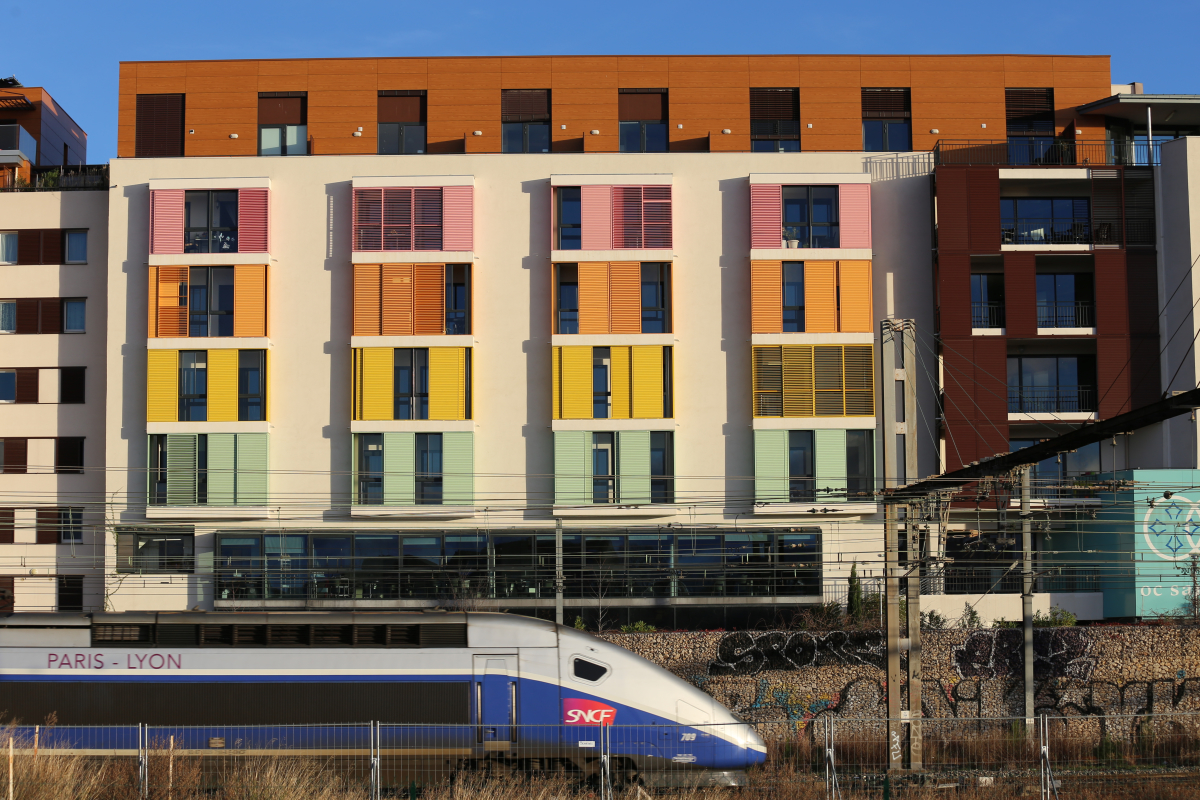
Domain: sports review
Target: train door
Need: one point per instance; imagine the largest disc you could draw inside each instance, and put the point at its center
(496, 700)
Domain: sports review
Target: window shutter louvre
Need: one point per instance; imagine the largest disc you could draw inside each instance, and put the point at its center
(820, 297)
(51, 315)
(16, 455)
(253, 462)
(162, 385)
(860, 380)
(458, 215)
(633, 467)
(766, 296)
(254, 221)
(767, 381)
(7, 528)
(48, 523)
(642, 105)
(620, 379)
(854, 215)
(166, 222)
(886, 103)
(625, 288)
(172, 290)
(158, 126)
(596, 210)
(368, 220)
(854, 297)
(367, 300)
(397, 219)
(830, 464)
(250, 300)
(627, 217)
(524, 105)
(222, 469)
(427, 219)
(766, 216)
(181, 469)
(656, 217)
(647, 381)
(28, 315)
(771, 467)
(399, 468)
(774, 104)
(397, 306)
(429, 299)
(458, 468)
(593, 297)
(222, 385)
(828, 374)
(1029, 111)
(556, 383)
(377, 383)
(152, 303)
(52, 246)
(29, 247)
(798, 400)
(572, 468)
(447, 383)
(1107, 202)
(27, 384)
(576, 382)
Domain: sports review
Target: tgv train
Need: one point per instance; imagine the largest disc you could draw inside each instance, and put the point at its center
(451, 691)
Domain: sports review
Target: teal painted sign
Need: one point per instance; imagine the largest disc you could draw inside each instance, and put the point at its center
(1168, 535)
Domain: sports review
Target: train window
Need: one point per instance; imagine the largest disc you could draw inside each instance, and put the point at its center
(587, 670)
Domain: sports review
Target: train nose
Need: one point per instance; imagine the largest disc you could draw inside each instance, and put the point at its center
(756, 748)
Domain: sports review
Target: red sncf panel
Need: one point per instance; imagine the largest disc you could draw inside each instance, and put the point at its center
(166, 222)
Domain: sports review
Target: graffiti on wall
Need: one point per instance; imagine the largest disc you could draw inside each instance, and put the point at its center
(1057, 653)
(752, 652)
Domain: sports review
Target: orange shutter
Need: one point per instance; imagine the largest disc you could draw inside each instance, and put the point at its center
(820, 297)
(366, 300)
(429, 299)
(855, 313)
(396, 287)
(625, 288)
(250, 300)
(593, 297)
(766, 297)
(152, 303)
(172, 301)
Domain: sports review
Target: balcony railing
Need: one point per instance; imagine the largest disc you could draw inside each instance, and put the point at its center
(85, 177)
(1043, 151)
(1060, 399)
(1078, 314)
(1046, 231)
(987, 315)
(14, 137)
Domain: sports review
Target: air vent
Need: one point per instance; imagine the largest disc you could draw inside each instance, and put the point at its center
(178, 635)
(287, 635)
(370, 635)
(445, 635)
(402, 636)
(115, 634)
(247, 635)
(332, 635)
(216, 635)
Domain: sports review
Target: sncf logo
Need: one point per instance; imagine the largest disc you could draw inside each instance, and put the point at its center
(577, 711)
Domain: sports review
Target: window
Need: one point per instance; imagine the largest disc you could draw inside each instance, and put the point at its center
(8, 247)
(370, 469)
(429, 469)
(74, 317)
(656, 298)
(1045, 220)
(662, 467)
(282, 123)
(568, 298)
(76, 246)
(604, 468)
(887, 120)
(1051, 384)
(587, 670)
(802, 484)
(210, 222)
(775, 120)
(458, 299)
(819, 380)
(155, 552)
(525, 120)
(401, 121)
(987, 300)
(411, 375)
(860, 464)
(193, 386)
(70, 593)
(643, 120)
(810, 216)
(1029, 120)
(71, 384)
(569, 217)
(70, 525)
(251, 387)
(68, 455)
(400, 218)
(601, 386)
(209, 301)
(8, 386)
(156, 468)
(793, 297)
(1065, 300)
(8, 316)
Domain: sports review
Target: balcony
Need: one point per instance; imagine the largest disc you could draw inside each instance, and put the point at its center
(1046, 231)
(987, 315)
(1061, 399)
(1077, 314)
(14, 137)
(85, 177)
(1039, 151)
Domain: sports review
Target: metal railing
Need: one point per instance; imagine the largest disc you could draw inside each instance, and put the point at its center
(1060, 399)
(1044, 151)
(15, 137)
(1077, 314)
(987, 315)
(85, 177)
(1046, 231)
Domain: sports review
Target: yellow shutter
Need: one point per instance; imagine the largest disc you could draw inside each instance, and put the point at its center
(859, 360)
(593, 298)
(376, 383)
(162, 385)
(619, 378)
(766, 296)
(250, 300)
(625, 289)
(820, 297)
(576, 382)
(767, 378)
(797, 380)
(647, 381)
(828, 380)
(223, 385)
(447, 383)
(855, 314)
(556, 382)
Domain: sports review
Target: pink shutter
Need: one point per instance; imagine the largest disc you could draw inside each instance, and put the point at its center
(166, 222)
(254, 221)
(458, 217)
(596, 206)
(766, 216)
(854, 212)
(427, 219)
(627, 218)
(397, 219)
(368, 219)
(656, 217)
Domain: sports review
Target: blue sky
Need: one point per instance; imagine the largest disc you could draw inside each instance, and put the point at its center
(73, 48)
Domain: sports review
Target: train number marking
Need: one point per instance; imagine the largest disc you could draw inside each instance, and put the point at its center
(688, 737)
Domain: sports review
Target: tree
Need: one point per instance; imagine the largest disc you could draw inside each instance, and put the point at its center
(854, 597)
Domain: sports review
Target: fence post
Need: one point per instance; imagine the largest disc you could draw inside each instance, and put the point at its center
(143, 757)
(170, 767)
(376, 788)
(10, 768)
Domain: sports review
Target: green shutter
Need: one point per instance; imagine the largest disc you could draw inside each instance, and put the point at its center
(222, 463)
(572, 468)
(400, 468)
(252, 466)
(830, 466)
(181, 469)
(633, 466)
(458, 468)
(771, 467)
